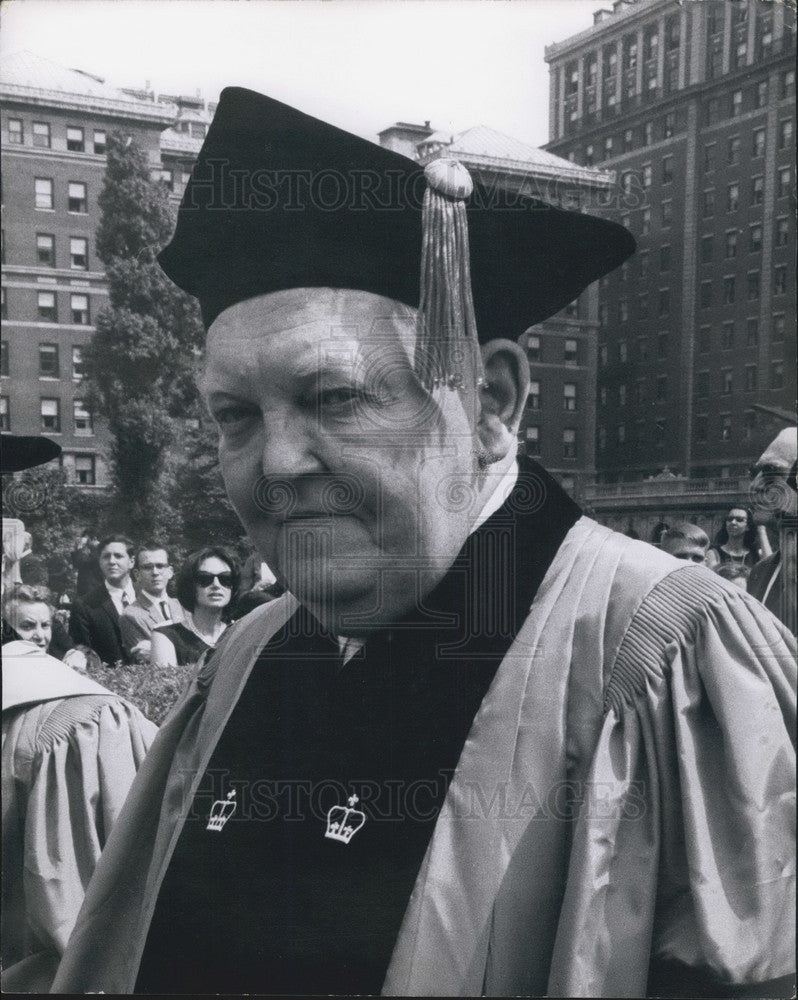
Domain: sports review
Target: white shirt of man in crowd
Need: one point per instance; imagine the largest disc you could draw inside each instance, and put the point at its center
(115, 566)
(152, 606)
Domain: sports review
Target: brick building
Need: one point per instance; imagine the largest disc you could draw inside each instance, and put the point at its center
(558, 427)
(54, 125)
(693, 105)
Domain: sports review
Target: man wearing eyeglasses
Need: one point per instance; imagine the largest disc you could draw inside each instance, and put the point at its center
(773, 493)
(153, 606)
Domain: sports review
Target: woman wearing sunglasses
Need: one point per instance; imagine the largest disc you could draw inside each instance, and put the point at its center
(738, 543)
(207, 586)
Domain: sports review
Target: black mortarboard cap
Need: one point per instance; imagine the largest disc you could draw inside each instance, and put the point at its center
(18, 452)
(278, 199)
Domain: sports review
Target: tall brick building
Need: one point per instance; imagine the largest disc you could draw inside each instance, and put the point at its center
(693, 105)
(54, 126)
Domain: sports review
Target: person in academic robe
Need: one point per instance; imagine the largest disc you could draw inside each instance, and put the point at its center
(482, 745)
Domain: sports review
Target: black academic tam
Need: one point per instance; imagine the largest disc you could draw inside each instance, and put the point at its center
(278, 199)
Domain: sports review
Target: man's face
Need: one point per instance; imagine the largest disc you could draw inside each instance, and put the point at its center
(338, 462)
(33, 622)
(154, 571)
(771, 494)
(684, 548)
(115, 563)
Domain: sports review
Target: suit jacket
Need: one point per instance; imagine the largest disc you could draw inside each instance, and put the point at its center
(637, 686)
(94, 622)
(142, 616)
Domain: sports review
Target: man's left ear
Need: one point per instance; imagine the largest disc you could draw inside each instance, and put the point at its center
(502, 397)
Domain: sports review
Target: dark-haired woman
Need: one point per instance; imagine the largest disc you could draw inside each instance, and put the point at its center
(207, 586)
(737, 543)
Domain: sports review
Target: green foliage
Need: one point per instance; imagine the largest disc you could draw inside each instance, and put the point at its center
(141, 361)
(152, 689)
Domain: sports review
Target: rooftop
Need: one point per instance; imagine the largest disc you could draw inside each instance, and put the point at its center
(27, 76)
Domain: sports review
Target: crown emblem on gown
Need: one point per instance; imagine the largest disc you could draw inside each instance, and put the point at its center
(221, 811)
(343, 822)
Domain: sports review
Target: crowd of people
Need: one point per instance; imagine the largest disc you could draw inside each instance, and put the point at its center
(128, 605)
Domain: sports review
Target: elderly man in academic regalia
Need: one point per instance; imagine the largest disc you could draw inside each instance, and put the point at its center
(482, 745)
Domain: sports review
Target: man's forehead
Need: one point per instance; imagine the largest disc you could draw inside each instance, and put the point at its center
(152, 555)
(782, 450)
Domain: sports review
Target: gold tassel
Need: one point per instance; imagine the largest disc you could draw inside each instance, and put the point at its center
(447, 346)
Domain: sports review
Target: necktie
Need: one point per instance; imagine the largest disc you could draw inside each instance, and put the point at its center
(165, 611)
(125, 599)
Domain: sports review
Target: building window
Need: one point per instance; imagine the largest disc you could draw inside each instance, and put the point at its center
(603, 355)
(776, 374)
(666, 214)
(623, 274)
(16, 134)
(621, 395)
(704, 339)
(707, 246)
(728, 289)
(780, 280)
(642, 306)
(571, 352)
(779, 327)
(750, 378)
(3, 304)
(99, 142)
(82, 419)
(4, 366)
(623, 352)
(755, 238)
(705, 294)
(726, 427)
(669, 125)
(166, 177)
(569, 443)
(787, 83)
(642, 261)
(627, 181)
(740, 55)
(736, 105)
(79, 253)
(663, 302)
(533, 440)
(84, 470)
(642, 348)
(708, 204)
(41, 135)
(662, 388)
(80, 309)
(730, 244)
(77, 362)
(663, 345)
(620, 433)
(75, 139)
(50, 411)
(757, 190)
(77, 198)
(782, 231)
(45, 249)
(667, 169)
(533, 400)
(603, 395)
(709, 158)
(762, 94)
(645, 222)
(751, 332)
(726, 382)
(589, 156)
(48, 361)
(43, 192)
(702, 384)
(732, 197)
(648, 133)
(647, 176)
(628, 140)
(753, 285)
(733, 150)
(712, 111)
(569, 396)
(758, 143)
(727, 336)
(5, 415)
(626, 220)
(623, 311)
(604, 314)
(749, 424)
(715, 14)
(640, 392)
(785, 181)
(608, 147)
(533, 347)
(48, 309)
(701, 428)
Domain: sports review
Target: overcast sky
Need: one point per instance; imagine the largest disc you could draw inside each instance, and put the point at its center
(361, 64)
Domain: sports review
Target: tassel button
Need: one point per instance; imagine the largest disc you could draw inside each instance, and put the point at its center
(449, 177)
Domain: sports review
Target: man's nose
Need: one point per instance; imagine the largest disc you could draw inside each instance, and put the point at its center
(287, 448)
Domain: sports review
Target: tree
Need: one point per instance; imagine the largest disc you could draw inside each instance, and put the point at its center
(141, 360)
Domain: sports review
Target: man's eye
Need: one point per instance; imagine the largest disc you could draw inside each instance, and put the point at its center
(230, 416)
(343, 396)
